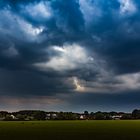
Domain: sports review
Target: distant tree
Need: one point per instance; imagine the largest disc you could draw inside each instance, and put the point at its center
(8, 118)
(86, 114)
(20, 117)
(126, 116)
(136, 114)
(113, 113)
(91, 116)
(67, 116)
(3, 113)
(107, 117)
(39, 115)
(99, 116)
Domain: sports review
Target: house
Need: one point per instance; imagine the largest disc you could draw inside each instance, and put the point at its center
(54, 115)
(48, 116)
(51, 116)
(116, 117)
(82, 117)
(13, 117)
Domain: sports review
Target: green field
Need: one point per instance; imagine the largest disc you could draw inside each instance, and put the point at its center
(70, 130)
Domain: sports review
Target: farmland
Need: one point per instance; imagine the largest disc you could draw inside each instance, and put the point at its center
(70, 130)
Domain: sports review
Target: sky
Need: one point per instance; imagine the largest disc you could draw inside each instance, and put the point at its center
(70, 55)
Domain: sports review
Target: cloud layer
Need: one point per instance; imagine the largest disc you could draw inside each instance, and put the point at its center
(56, 49)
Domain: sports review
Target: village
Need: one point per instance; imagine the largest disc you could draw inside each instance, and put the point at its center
(33, 115)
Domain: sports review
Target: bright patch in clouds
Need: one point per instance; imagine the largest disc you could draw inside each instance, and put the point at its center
(67, 57)
(117, 84)
(29, 29)
(127, 7)
(89, 10)
(130, 81)
(39, 11)
(18, 28)
(78, 85)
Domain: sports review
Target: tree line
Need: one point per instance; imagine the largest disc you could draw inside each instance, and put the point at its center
(31, 115)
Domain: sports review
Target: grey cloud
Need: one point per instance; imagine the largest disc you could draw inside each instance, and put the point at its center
(106, 31)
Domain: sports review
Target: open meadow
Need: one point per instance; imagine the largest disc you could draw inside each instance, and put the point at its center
(70, 130)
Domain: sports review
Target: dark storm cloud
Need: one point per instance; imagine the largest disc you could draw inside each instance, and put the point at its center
(25, 83)
(50, 47)
(104, 102)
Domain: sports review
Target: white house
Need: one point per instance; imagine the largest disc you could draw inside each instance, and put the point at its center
(82, 117)
(116, 117)
(12, 116)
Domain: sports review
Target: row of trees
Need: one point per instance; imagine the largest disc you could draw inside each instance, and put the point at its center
(28, 115)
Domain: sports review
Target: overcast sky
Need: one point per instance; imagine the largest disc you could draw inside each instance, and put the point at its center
(70, 55)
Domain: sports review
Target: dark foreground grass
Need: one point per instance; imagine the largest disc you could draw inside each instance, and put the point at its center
(70, 130)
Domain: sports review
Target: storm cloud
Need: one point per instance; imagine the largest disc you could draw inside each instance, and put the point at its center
(70, 52)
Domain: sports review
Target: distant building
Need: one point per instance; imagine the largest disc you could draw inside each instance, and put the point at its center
(82, 117)
(48, 116)
(13, 117)
(51, 116)
(54, 115)
(116, 117)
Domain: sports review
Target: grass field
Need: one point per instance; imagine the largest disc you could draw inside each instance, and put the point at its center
(70, 130)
